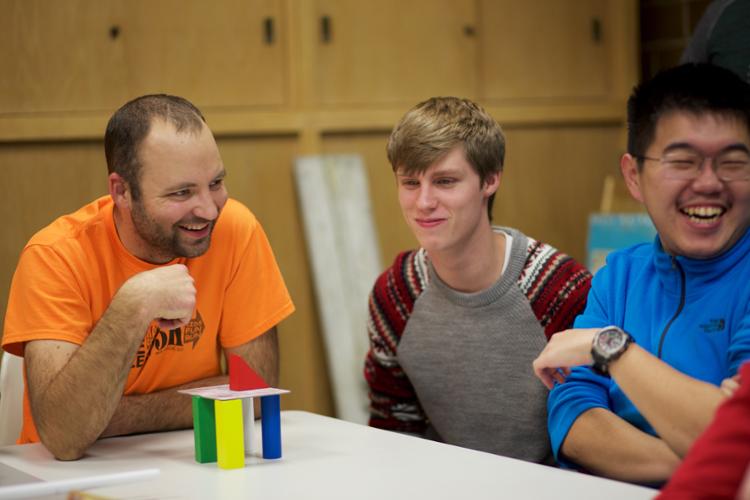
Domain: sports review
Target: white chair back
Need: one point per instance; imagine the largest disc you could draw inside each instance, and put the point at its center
(11, 398)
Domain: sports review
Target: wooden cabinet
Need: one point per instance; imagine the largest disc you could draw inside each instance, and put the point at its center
(58, 59)
(392, 51)
(224, 53)
(549, 49)
(89, 55)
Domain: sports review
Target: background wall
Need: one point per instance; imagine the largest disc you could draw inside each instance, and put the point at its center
(280, 78)
(666, 26)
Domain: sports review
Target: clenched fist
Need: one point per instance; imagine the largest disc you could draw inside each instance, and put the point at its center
(166, 294)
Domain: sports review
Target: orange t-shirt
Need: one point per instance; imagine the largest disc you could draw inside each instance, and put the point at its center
(69, 271)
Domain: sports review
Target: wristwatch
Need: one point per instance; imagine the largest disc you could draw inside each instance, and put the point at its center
(609, 343)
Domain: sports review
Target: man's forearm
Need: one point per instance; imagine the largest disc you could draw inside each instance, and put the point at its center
(678, 407)
(606, 445)
(75, 390)
(157, 411)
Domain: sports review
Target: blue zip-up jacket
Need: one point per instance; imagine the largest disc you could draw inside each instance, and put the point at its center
(692, 314)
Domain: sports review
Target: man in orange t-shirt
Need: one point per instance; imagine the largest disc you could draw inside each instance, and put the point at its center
(136, 295)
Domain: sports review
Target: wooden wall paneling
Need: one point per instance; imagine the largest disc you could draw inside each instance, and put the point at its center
(38, 183)
(553, 180)
(392, 51)
(395, 235)
(545, 50)
(616, 197)
(259, 174)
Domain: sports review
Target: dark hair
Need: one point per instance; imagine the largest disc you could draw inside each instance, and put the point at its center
(130, 125)
(692, 88)
(433, 128)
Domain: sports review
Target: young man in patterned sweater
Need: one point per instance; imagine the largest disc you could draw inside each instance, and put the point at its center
(454, 325)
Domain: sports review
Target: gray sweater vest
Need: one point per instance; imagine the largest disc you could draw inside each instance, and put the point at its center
(469, 357)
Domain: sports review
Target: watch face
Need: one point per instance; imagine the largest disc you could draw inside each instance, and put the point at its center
(610, 341)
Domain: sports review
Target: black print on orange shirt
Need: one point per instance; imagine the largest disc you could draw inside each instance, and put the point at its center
(713, 325)
(157, 340)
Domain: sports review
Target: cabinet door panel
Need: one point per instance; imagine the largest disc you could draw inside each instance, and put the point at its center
(393, 51)
(59, 56)
(214, 53)
(543, 49)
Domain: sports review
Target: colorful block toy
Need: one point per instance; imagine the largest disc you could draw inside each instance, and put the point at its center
(223, 417)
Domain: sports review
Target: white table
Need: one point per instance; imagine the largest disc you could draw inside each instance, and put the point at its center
(322, 458)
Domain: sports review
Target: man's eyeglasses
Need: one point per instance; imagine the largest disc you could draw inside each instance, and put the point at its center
(732, 165)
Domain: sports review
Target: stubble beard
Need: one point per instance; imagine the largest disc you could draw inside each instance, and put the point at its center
(165, 245)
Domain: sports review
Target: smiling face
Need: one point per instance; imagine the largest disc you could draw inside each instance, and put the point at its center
(699, 218)
(182, 193)
(446, 205)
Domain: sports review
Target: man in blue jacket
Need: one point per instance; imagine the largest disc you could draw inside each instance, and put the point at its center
(638, 378)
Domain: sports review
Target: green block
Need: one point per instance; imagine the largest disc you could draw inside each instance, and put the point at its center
(204, 429)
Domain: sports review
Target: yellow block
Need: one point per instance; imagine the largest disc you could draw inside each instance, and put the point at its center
(230, 441)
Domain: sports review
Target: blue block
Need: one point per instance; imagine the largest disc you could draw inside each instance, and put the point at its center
(270, 410)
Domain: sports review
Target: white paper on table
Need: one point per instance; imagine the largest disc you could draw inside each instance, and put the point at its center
(223, 392)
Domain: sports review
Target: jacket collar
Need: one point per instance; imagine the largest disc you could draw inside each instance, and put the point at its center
(698, 271)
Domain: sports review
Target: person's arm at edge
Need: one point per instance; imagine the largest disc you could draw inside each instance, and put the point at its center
(718, 461)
